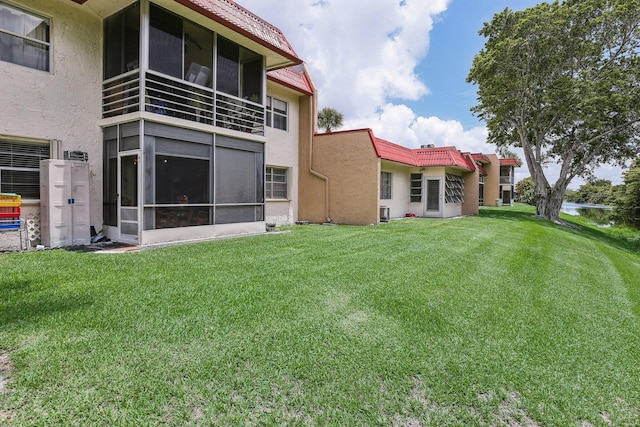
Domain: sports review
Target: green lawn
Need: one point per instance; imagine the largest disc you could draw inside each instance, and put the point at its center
(499, 319)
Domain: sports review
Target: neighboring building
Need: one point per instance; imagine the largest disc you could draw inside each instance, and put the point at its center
(353, 177)
(507, 181)
(169, 101)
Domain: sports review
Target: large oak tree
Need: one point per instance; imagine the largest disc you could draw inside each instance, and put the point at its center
(561, 81)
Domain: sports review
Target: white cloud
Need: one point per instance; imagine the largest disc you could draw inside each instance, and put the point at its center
(399, 124)
(360, 53)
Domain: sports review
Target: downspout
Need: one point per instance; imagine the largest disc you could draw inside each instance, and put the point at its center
(324, 178)
(313, 123)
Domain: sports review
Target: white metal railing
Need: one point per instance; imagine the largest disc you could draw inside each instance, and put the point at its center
(239, 114)
(121, 94)
(506, 180)
(173, 97)
(177, 98)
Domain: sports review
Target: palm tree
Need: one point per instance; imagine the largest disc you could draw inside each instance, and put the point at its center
(329, 119)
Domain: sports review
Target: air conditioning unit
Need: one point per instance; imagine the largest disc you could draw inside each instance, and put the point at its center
(384, 214)
(82, 156)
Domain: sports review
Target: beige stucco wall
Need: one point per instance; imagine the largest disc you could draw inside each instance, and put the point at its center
(281, 151)
(400, 188)
(349, 161)
(492, 181)
(471, 193)
(62, 104)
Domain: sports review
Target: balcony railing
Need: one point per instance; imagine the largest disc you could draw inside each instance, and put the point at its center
(173, 97)
(178, 98)
(238, 114)
(121, 94)
(506, 180)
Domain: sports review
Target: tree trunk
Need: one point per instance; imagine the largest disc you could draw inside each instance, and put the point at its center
(548, 198)
(549, 207)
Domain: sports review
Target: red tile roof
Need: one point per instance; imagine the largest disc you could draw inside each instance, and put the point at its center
(423, 157)
(482, 158)
(443, 156)
(471, 163)
(239, 19)
(510, 162)
(389, 151)
(293, 79)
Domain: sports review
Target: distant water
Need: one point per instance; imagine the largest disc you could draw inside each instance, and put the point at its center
(601, 215)
(580, 208)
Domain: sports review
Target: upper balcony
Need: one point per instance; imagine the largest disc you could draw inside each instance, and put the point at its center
(171, 97)
(158, 62)
(507, 170)
(506, 180)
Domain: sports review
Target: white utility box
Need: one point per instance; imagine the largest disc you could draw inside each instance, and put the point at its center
(64, 203)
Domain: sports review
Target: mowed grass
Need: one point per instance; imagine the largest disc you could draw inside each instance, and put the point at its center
(499, 319)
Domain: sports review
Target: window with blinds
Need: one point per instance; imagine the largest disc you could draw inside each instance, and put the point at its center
(20, 167)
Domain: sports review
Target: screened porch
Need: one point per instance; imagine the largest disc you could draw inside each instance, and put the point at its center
(185, 71)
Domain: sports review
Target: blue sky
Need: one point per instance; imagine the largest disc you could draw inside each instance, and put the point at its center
(454, 43)
(398, 67)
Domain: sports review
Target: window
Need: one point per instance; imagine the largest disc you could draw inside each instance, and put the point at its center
(454, 189)
(276, 183)
(121, 42)
(276, 113)
(416, 187)
(20, 167)
(385, 185)
(24, 38)
(181, 180)
(180, 48)
(239, 71)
